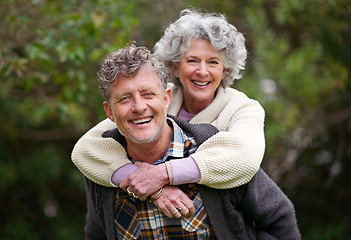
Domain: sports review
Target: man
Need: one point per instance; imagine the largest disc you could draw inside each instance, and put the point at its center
(137, 100)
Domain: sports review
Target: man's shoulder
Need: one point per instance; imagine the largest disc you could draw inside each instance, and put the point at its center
(115, 134)
(191, 127)
(201, 132)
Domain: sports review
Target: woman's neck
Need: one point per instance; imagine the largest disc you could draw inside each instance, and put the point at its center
(193, 106)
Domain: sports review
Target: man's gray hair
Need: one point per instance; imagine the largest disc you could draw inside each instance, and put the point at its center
(126, 62)
(193, 25)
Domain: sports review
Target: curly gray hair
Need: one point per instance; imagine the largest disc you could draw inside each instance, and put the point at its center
(127, 62)
(193, 25)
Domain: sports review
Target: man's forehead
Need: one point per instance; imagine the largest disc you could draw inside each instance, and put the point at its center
(142, 82)
(142, 73)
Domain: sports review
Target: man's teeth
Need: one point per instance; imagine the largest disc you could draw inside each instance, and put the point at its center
(142, 120)
(201, 83)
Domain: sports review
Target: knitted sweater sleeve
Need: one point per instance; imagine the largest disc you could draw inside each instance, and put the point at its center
(233, 156)
(96, 157)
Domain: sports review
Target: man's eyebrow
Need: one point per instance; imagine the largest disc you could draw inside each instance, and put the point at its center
(121, 95)
(149, 88)
(128, 93)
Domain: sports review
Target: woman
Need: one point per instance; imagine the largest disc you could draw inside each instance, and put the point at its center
(203, 55)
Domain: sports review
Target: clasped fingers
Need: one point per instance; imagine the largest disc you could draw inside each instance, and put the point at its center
(175, 203)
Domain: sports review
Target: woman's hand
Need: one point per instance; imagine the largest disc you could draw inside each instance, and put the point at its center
(146, 180)
(175, 203)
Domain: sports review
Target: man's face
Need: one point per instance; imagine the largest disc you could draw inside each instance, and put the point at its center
(138, 106)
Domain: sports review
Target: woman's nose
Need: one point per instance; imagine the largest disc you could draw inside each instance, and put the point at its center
(202, 69)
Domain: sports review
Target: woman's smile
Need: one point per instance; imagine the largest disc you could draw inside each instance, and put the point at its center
(200, 72)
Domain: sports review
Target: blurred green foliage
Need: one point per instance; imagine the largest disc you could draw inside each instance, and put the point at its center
(298, 68)
(48, 58)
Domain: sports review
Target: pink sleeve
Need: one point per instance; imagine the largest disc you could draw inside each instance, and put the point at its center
(185, 170)
(122, 173)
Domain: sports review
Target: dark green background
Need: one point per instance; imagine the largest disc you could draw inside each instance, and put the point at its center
(298, 68)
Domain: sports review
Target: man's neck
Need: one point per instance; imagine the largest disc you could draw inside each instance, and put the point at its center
(150, 152)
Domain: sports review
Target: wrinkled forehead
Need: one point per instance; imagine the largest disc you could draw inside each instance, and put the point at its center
(143, 78)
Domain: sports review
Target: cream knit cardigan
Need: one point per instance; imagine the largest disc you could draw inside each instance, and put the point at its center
(228, 159)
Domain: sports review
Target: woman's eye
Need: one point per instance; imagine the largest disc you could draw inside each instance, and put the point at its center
(213, 62)
(191, 61)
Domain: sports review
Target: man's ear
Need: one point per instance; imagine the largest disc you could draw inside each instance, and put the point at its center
(168, 98)
(108, 111)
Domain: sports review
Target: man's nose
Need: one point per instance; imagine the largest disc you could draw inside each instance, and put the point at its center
(139, 105)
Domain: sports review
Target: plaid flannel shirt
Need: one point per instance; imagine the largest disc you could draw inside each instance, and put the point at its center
(135, 219)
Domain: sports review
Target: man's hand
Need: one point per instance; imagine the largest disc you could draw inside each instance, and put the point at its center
(146, 180)
(175, 203)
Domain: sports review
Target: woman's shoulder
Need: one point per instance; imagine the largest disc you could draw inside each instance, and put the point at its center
(234, 97)
(232, 92)
(229, 94)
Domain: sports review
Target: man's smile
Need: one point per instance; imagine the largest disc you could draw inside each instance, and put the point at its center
(141, 120)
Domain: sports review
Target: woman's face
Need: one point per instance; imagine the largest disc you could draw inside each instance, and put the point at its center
(200, 72)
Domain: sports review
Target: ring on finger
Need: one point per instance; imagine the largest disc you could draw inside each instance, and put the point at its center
(175, 212)
(135, 196)
(180, 209)
(129, 192)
